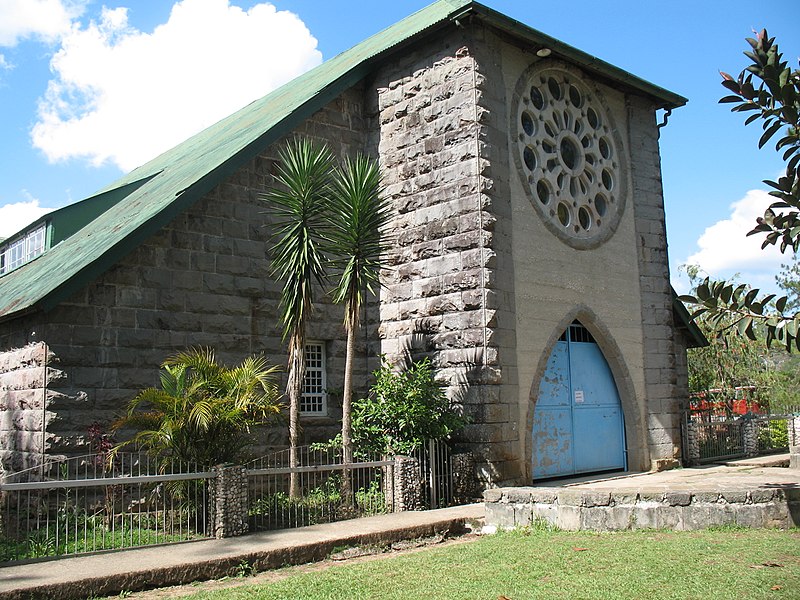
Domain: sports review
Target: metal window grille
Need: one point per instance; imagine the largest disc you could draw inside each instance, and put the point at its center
(579, 333)
(313, 400)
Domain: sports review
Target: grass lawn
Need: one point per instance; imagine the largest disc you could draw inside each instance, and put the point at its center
(721, 563)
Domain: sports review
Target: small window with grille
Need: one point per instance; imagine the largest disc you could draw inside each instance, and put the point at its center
(313, 399)
(23, 249)
(579, 333)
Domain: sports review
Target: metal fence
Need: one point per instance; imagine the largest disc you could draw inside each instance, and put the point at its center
(721, 440)
(436, 473)
(711, 438)
(88, 503)
(327, 488)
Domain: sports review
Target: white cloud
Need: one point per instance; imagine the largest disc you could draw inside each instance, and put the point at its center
(726, 250)
(124, 96)
(14, 217)
(44, 19)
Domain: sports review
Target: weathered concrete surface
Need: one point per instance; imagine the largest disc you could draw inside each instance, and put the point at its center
(747, 494)
(110, 573)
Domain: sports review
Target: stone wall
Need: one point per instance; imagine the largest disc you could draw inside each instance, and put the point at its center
(665, 390)
(24, 381)
(474, 279)
(228, 502)
(609, 511)
(435, 301)
(203, 280)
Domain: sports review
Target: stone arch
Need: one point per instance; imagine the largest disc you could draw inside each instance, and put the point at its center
(636, 442)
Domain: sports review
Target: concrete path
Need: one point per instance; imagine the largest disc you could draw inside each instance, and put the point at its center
(749, 473)
(111, 572)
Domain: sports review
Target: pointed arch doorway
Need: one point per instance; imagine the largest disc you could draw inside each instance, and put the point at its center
(578, 424)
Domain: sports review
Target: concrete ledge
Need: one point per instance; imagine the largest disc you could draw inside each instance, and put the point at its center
(142, 568)
(574, 509)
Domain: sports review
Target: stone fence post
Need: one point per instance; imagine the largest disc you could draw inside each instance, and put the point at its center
(794, 457)
(464, 479)
(749, 435)
(229, 501)
(407, 484)
(793, 429)
(2, 502)
(692, 444)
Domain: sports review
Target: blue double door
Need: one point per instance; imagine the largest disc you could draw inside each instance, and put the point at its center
(578, 425)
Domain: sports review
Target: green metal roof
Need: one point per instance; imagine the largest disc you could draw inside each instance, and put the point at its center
(149, 197)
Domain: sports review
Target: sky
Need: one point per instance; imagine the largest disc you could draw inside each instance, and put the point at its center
(89, 90)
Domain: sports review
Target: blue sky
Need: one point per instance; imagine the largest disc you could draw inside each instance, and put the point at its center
(90, 89)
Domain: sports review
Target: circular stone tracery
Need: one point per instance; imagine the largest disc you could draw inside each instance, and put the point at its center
(568, 156)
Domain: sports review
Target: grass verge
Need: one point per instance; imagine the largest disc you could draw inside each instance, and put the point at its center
(522, 565)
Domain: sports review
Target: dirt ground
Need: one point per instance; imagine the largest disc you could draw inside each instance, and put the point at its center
(348, 555)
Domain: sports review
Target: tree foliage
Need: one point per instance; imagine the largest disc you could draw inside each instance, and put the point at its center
(736, 308)
(203, 410)
(326, 216)
(732, 360)
(729, 360)
(789, 281)
(403, 410)
(774, 101)
(770, 90)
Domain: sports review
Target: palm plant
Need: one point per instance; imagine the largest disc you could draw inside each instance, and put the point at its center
(360, 214)
(203, 410)
(300, 203)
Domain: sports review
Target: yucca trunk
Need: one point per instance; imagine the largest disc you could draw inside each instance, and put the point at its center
(347, 420)
(294, 389)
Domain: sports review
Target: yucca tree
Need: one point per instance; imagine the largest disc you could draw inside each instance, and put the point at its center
(359, 217)
(203, 410)
(300, 203)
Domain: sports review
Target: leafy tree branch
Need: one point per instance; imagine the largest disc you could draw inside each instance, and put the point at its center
(769, 90)
(738, 309)
(774, 100)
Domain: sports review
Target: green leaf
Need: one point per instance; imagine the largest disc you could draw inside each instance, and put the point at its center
(703, 293)
(743, 325)
(770, 131)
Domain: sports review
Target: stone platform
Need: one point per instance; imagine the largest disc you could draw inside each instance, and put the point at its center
(748, 493)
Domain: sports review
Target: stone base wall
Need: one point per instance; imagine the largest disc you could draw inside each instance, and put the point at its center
(508, 508)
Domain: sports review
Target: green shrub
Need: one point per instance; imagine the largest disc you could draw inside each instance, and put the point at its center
(403, 410)
(773, 435)
(203, 411)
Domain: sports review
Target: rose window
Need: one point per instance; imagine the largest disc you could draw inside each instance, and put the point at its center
(569, 157)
